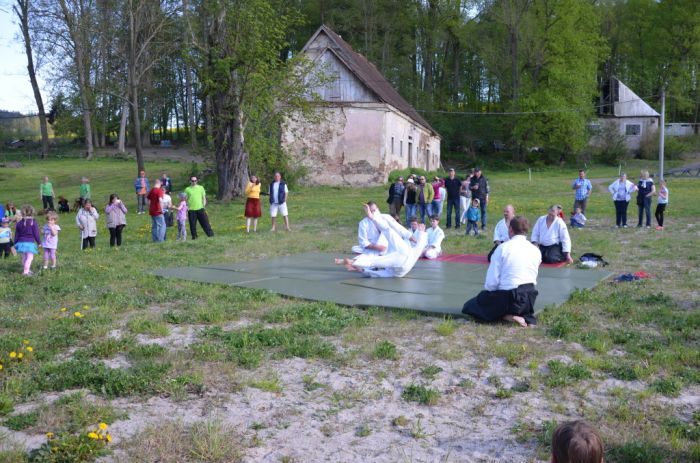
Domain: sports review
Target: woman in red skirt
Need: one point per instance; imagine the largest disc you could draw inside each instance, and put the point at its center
(252, 203)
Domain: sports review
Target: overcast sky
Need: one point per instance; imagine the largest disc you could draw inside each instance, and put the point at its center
(15, 89)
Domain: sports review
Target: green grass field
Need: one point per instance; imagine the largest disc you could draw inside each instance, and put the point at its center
(624, 356)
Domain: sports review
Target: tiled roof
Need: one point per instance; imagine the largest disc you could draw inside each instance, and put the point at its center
(370, 76)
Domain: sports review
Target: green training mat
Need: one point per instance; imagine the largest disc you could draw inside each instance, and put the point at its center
(432, 286)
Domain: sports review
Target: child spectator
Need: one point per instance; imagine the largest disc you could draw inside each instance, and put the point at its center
(661, 204)
(576, 442)
(50, 243)
(84, 190)
(433, 248)
(472, 215)
(47, 194)
(27, 238)
(63, 205)
(6, 247)
(115, 215)
(11, 212)
(182, 218)
(86, 219)
(578, 220)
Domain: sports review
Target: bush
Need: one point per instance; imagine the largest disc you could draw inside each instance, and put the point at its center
(611, 145)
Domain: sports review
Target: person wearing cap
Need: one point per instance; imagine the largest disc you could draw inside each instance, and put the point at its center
(510, 288)
(453, 186)
(479, 187)
(410, 199)
(395, 199)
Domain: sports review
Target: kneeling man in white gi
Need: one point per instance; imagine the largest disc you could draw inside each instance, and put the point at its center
(370, 239)
(510, 281)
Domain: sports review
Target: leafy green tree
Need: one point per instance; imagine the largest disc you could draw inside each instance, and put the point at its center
(250, 85)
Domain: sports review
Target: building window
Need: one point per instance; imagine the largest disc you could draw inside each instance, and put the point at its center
(633, 129)
(392, 145)
(401, 148)
(593, 129)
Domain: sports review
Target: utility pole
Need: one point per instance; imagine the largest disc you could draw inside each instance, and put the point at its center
(662, 129)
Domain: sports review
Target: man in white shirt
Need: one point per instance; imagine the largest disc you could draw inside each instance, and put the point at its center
(400, 256)
(552, 237)
(500, 233)
(435, 235)
(278, 201)
(509, 292)
(369, 238)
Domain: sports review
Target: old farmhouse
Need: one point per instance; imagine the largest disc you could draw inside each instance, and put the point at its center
(366, 128)
(632, 116)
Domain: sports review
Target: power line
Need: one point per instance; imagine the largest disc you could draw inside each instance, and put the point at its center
(523, 113)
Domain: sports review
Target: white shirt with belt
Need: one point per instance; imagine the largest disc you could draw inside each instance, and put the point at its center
(556, 233)
(368, 233)
(514, 263)
(500, 233)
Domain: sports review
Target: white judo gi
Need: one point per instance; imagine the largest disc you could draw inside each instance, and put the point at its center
(400, 257)
(368, 233)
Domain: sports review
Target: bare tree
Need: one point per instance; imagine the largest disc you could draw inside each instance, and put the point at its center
(21, 9)
(75, 17)
(147, 21)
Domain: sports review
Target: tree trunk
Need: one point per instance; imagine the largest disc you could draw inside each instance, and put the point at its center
(122, 127)
(209, 117)
(21, 9)
(231, 158)
(136, 126)
(81, 70)
(191, 124)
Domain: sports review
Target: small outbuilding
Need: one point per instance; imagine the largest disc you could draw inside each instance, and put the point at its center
(633, 117)
(365, 129)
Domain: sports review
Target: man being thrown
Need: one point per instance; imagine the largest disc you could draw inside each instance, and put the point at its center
(370, 239)
(400, 257)
(509, 292)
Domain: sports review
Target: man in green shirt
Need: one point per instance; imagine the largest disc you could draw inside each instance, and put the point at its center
(196, 202)
(47, 194)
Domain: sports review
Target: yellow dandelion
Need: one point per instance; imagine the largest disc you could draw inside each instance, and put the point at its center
(30, 349)
(93, 435)
(0, 366)
(25, 342)
(85, 307)
(20, 355)
(77, 314)
(13, 355)
(49, 435)
(108, 438)
(63, 309)
(103, 426)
